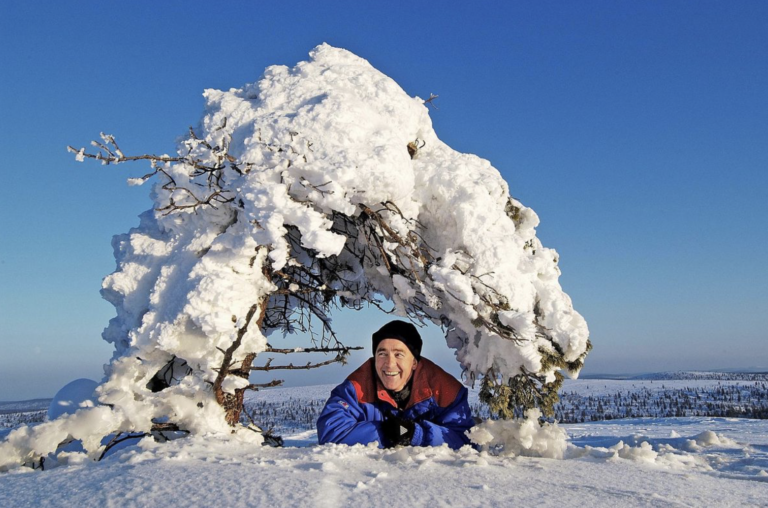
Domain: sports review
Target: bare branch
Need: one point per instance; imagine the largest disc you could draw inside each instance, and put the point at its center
(309, 365)
(313, 350)
(271, 384)
(119, 438)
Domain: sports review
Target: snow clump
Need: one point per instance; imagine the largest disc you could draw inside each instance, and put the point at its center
(521, 437)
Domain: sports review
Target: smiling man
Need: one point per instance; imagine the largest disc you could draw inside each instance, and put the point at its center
(397, 398)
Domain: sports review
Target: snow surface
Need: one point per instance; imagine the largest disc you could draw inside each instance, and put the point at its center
(632, 462)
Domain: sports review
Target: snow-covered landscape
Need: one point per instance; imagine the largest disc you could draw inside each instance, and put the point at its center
(686, 461)
(327, 184)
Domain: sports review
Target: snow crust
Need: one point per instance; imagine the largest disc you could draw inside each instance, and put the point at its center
(322, 138)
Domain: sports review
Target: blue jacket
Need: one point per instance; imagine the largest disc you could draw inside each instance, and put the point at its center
(356, 408)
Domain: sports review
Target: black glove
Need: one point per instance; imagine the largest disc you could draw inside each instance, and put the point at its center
(397, 431)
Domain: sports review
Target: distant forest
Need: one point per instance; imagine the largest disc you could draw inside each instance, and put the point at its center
(728, 400)
(737, 395)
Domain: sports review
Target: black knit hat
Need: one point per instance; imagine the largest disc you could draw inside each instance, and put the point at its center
(402, 331)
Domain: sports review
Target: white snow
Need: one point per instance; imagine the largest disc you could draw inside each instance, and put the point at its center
(636, 462)
(521, 437)
(73, 396)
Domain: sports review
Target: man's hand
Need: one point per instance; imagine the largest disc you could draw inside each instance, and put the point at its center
(397, 431)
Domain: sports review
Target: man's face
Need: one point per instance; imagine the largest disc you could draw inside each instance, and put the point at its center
(394, 364)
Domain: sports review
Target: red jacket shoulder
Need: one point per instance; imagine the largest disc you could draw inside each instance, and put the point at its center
(364, 381)
(429, 380)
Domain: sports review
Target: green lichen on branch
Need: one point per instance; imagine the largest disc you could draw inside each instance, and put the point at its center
(527, 390)
(524, 391)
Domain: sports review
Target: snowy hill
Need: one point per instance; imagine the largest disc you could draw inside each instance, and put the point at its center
(707, 375)
(24, 405)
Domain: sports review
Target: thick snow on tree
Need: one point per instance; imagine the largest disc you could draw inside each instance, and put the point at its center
(320, 185)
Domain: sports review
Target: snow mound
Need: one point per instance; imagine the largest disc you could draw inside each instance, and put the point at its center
(73, 396)
(523, 436)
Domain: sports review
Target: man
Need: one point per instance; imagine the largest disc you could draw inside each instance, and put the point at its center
(397, 398)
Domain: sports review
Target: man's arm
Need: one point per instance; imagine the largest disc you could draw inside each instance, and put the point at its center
(345, 421)
(448, 426)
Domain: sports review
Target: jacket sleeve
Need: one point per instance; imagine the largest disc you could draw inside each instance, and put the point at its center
(346, 421)
(449, 425)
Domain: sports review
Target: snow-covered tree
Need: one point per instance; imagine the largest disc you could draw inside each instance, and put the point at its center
(320, 186)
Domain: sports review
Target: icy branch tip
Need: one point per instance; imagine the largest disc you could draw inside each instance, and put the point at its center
(79, 154)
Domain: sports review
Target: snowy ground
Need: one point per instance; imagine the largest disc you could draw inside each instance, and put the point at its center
(631, 462)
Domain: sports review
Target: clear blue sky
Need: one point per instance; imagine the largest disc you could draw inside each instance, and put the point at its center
(638, 131)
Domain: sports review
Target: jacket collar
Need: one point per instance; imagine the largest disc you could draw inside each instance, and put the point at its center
(427, 379)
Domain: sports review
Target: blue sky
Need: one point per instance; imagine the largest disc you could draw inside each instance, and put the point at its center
(638, 131)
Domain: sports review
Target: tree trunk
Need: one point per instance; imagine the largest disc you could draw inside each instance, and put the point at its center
(233, 403)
